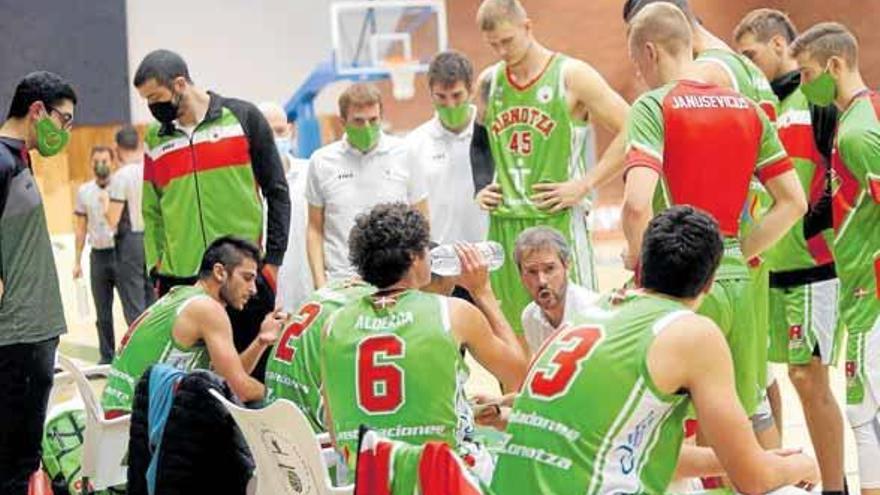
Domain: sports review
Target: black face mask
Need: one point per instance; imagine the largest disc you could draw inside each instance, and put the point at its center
(165, 111)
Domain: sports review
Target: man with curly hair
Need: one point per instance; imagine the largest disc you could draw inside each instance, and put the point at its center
(399, 351)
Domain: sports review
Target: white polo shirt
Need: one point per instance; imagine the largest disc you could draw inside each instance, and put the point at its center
(346, 182)
(294, 275)
(446, 159)
(128, 185)
(536, 326)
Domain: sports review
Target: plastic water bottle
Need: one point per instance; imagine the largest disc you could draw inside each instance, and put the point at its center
(82, 299)
(444, 259)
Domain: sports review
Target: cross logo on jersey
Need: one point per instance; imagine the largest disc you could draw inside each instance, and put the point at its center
(795, 332)
(850, 370)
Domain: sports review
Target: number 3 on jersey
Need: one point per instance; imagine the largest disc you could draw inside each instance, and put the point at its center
(566, 353)
(520, 143)
(285, 351)
(380, 381)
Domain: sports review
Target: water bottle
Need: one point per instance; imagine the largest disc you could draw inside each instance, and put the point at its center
(82, 298)
(444, 259)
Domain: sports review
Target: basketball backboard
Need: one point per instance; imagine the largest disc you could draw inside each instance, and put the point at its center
(374, 37)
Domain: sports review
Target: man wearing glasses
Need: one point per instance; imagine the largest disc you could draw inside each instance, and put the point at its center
(31, 315)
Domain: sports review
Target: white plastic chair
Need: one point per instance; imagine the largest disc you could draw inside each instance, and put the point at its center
(288, 456)
(105, 442)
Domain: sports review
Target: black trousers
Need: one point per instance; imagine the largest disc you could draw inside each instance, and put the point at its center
(26, 372)
(132, 283)
(102, 274)
(245, 323)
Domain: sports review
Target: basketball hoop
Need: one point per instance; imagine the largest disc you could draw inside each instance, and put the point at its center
(403, 76)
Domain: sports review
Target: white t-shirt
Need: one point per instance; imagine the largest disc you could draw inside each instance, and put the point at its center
(345, 182)
(536, 326)
(89, 204)
(446, 160)
(294, 275)
(128, 185)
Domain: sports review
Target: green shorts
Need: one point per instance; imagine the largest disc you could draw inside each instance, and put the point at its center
(731, 305)
(506, 282)
(804, 319)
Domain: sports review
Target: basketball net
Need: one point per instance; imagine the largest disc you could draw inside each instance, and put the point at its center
(403, 76)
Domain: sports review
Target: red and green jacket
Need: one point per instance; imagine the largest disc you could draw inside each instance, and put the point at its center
(210, 184)
(855, 188)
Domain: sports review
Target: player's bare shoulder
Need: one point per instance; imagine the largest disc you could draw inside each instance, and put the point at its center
(584, 86)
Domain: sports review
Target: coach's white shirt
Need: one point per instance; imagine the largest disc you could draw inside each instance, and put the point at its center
(536, 326)
(345, 182)
(294, 275)
(446, 159)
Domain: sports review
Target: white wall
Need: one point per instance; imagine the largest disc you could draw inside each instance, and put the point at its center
(251, 49)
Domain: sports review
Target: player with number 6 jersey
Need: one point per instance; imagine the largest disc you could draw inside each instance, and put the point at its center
(293, 371)
(393, 360)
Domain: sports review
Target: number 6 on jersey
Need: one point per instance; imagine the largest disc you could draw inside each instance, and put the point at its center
(551, 377)
(380, 381)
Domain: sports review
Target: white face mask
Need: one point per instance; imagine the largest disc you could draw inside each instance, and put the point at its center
(285, 146)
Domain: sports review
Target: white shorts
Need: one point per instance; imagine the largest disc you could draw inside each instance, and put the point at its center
(863, 376)
(868, 448)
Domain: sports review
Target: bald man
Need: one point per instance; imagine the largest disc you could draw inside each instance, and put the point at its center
(536, 106)
(702, 144)
(294, 275)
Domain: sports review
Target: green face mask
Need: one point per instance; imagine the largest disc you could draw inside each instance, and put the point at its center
(820, 91)
(363, 138)
(454, 117)
(50, 138)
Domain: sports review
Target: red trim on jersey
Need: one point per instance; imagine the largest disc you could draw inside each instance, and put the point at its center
(770, 109)
(200, 157)
(712, 138)
(638, 158)
(845, 189)
(877, 275)
(530, 83)
(819, 250)
(874, 188)
(799, 142)
(774, 169)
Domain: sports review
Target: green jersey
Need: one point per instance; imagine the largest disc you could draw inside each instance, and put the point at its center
(391, 363)
(589, 418)
(856, 202)
(532, 137)
(293, 371)
(150, 341)
(795, 127)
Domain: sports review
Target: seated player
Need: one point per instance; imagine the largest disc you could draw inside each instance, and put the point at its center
(393, 360)
(294, 368)
(543, 257)
(602, 406)
(293, 371)
(188, 328)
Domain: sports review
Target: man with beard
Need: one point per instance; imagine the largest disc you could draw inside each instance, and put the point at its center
(188, 328)
(542, 256)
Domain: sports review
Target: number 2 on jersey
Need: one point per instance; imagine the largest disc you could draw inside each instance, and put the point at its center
(572, 348)
(380, 382)
(285, 352)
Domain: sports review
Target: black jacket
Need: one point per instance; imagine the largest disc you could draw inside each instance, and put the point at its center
(202, 449)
